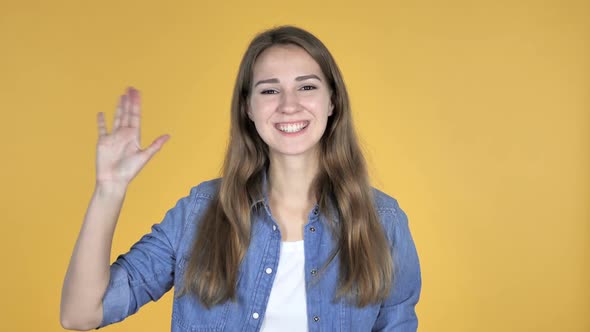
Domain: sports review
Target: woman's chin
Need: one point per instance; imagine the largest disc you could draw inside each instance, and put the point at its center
(295, 151)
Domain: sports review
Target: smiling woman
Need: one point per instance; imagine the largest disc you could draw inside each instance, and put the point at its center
(291, 109)
(291, 238)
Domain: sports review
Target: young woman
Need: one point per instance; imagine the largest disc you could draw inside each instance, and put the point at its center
(291, 238)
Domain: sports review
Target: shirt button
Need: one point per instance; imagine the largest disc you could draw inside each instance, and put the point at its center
(274, 228)
(312, 229)
(268, 270)
(256, 315)
(316, 211)
(316, 318)
(314, 272)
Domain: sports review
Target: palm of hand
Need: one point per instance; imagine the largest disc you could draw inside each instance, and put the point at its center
(119, 156)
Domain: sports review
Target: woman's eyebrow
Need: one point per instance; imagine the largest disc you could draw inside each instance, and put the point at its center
(306, 77)
(298, 78)
(270, 80)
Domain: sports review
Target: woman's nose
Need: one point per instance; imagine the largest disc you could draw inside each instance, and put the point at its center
(289, 102)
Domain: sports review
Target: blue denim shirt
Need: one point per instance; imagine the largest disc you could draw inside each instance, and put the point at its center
(158, 260)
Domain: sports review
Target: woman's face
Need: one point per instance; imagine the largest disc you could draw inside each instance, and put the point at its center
(289, 101)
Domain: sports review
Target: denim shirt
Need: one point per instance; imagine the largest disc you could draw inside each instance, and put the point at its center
(158, 260)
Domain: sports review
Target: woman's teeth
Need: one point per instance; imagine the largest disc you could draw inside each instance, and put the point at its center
(292, 127)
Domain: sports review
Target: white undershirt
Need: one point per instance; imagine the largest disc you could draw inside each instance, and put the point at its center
(287, 309)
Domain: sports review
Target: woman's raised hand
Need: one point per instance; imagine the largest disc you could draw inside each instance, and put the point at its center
(119, 156)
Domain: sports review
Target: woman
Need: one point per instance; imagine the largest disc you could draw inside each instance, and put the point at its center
(292, 238)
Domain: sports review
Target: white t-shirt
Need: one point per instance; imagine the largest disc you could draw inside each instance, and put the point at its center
(287, 308)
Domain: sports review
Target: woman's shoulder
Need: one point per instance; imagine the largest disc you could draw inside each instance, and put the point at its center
(199, 195)
(384, 202)
(393, 219)
(206, 189)
(390, 213)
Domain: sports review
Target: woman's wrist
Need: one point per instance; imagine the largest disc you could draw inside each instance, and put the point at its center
(107, 189)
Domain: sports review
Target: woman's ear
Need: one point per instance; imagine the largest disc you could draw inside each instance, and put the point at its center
(331, 103)
(248, 111)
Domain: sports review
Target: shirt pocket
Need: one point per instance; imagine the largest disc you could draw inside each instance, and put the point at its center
(188, 314)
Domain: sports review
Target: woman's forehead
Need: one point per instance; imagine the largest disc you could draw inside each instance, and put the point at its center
(286, 61)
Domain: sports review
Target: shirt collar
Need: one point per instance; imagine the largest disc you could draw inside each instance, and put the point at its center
(262, 198)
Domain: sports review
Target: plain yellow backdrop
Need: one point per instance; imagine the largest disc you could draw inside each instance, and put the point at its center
(473, 114)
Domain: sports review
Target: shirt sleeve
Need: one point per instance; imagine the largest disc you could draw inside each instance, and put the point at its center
(146, 271)
(397, 312)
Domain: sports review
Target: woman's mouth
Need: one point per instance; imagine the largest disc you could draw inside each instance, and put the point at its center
(292, 127)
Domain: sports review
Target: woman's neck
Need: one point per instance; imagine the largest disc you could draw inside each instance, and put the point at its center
(290, 179)
(290, 192)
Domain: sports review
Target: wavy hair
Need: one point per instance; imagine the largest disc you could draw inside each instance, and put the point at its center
(341, 186)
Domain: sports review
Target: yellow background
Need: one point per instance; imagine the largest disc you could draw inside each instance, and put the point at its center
(473, 114)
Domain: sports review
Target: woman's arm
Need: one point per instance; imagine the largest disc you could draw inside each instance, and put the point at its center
(88, 273)
(398, 311)
(119, 159)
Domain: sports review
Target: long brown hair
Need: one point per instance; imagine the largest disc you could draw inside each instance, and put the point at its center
(223, 236)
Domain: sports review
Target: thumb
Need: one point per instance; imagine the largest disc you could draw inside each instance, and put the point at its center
(156, 145)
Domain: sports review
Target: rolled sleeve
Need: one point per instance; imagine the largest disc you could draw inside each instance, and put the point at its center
(115, 302)
(146, 272)
(397, 312)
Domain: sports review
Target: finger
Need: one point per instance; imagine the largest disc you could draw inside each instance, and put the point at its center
(125, 111)
(118, 114)
(156, 145)
(135, 114)
(131, 99)
(102, 128)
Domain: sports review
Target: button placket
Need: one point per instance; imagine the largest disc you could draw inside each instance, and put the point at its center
(269, 258)
(313, 233)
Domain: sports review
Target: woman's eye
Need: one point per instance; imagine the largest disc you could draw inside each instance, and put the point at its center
(309, 87)
(268, 92)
